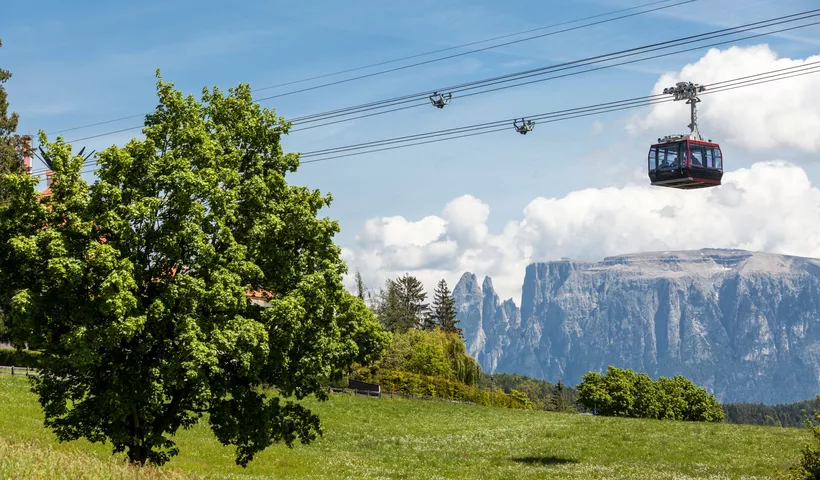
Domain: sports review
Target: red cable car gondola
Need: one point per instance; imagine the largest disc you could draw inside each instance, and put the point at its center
(685, 161)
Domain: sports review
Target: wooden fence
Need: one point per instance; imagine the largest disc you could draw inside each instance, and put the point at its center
(27, 372)
(391, 394)
(24, 371)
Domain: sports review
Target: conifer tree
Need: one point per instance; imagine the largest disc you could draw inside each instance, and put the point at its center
(11, 157)
(360, 289)
(411, 292)
(444, 309)
(400, 305)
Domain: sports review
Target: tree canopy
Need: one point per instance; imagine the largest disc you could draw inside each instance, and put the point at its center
(626, 393)
(134, 288)
(11, 162)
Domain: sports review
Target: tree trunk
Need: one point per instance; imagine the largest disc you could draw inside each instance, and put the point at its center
(138, 455)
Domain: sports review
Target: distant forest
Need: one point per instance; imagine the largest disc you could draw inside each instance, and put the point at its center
(786, 415)
(560, 397)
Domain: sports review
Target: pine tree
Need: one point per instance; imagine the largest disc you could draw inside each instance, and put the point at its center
(561, 403)
(411, 292)
(11, 155)
(444, 309)
(359, 285)
(400, 305)
(391, 311)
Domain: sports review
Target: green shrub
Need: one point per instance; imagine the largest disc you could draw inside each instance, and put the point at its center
(625, 393)
(419, 385)
(808, 467)
(19, 358)
(433, 353)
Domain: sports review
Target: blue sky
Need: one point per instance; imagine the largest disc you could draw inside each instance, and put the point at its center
(76, 63)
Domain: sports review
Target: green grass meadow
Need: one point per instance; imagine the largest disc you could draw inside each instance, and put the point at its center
(414, 439)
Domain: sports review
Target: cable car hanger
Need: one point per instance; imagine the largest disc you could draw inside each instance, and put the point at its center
(526, 126)
(438, 100)
(688, 91)
(686, 161)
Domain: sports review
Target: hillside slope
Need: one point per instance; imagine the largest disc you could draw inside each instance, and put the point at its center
(414, 439)
(745, 325)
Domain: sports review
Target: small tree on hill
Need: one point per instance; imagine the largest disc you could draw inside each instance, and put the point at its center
(11, 145)
(412, 294)
(360, 289)
(134, 288)
(401, 306)
(808, 467)
(391, 310)
(444, 309)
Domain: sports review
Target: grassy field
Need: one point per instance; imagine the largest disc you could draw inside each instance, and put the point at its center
(403, 439)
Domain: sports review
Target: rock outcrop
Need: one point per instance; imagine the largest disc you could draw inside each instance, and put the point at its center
(744, 325)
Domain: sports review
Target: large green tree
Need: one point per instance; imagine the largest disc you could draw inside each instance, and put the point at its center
(134, 287)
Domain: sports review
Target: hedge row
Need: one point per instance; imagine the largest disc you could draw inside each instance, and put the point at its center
(19, 358)
(414, 384)
(626, 393)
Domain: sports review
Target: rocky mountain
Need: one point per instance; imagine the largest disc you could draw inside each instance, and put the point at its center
(744, 325)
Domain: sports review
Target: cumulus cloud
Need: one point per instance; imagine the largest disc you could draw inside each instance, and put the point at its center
(768, 116)
(771, 207)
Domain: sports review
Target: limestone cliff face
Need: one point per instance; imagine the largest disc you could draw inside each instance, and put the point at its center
(745, 325)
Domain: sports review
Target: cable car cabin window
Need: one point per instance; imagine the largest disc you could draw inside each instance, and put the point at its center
(669, 156)
(718, 159)
(696, 156)
(653, 159)
(713, 157)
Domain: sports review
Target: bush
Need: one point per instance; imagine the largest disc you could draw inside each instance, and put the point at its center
(808, 467)
(543, 395)
(19, 358)
(625, 393)
(433, 353)
(424, 385)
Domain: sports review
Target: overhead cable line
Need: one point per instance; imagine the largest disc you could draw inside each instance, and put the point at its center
(507, 128)
(550, 117)
(562, 76)
(491, 127)
(500, 37)
(400, 102)
(382, 72)
(594, 59)
(429, 53)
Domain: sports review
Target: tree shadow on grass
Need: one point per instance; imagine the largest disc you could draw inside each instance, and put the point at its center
(544, 460)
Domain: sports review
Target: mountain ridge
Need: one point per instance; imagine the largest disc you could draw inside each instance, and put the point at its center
(746, 325)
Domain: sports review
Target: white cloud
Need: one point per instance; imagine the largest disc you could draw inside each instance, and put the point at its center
(770, 207)
(768, 116)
